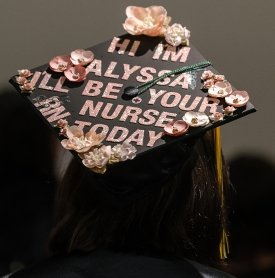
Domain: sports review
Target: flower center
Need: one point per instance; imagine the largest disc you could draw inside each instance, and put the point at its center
(174, 129)
(148, 22)
(76, 76)
(194, 120)
(61, 66)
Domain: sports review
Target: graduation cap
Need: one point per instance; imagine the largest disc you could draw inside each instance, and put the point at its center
(129, 107)
(132, 94)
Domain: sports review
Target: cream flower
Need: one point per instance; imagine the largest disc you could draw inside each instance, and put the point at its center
(150, 21)
(124, 151)
(196, 119)
(97, 159)
(237, 98)
(176, 128)
(177, 35)
(79, 142)
(82, 57)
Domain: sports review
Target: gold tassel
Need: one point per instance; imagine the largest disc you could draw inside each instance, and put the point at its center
(224, 245)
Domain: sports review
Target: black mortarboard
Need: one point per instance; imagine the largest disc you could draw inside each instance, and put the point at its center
(141, 92)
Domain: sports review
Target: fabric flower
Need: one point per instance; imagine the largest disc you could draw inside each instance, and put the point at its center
(27, 87)
(79, 142)
(220, 89)
(216, 117)
(60, 63)
(62, 125)
(196, 119)
(176, 128)
(76, 73)
(228, 110)
(21, 80)
(208, 83)
(97, 159)
(122, 152)
(82, 57)
(24, 73)
(207, 74)
(150, 21)
(237, 98)
(218, 77)
(177, 35)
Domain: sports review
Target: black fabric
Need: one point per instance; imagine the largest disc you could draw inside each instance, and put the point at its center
(103, 264)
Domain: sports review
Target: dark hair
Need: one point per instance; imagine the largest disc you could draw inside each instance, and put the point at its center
(181, 218)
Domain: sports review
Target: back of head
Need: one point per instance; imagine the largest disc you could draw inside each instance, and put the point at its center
(180, 216)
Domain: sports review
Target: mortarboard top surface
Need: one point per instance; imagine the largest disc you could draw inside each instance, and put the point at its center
(98, 103)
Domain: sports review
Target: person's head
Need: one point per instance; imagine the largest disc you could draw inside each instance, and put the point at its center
(180, 216)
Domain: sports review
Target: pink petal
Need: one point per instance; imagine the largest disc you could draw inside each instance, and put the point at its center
(64, 144)
(130, 26)
(136, 12)
(82, 57)
(74, 131)
(157, 11)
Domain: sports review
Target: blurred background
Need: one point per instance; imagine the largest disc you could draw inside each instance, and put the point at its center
(237, 36)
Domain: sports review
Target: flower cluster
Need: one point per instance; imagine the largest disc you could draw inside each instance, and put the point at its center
(94, 155)
(209, 79)
(73, 66)
(217, 87)
(23, 80)
(153, 21)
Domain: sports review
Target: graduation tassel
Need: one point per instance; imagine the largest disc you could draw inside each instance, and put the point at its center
(224, 245)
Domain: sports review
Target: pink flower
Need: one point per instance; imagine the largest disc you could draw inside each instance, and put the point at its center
(60, 63)
(208, 83)
(79, 142)
(207, 74)
(24, 73)
(176, 128)
(27, 88)
(237, 98)
(150, 21)
(221, 89)
(219, 77)
(97, 159)
(21, 80)
(82, 57)
(215, 117)
(124, 151)
(76, 73)
(177, 35)
(228, 110)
